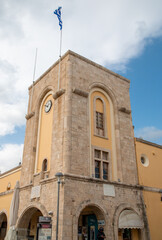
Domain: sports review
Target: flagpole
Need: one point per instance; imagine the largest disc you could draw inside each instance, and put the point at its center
(33, 78)
(60, 59)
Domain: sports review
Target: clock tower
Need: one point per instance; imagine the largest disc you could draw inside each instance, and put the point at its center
(81, 132)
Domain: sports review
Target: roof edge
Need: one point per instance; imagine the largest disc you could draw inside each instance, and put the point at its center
(148, 143)
(97, 65)
(69, 52)
(10, 171)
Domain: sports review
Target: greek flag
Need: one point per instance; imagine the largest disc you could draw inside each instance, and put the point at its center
(58, 13)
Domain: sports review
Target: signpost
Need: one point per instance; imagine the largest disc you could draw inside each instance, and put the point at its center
(44, 228)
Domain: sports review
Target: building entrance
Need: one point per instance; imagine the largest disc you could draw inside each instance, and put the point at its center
(89, 227)
(27, 227)
(90, 220)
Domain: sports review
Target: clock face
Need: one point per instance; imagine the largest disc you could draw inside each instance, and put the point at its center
(48, 106)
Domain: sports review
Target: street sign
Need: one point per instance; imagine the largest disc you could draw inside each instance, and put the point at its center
(44, 219)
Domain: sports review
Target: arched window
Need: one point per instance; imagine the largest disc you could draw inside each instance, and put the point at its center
(44, 165)
(100, 128)
(99, 117)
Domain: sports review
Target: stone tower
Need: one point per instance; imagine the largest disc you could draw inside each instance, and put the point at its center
(83, 130)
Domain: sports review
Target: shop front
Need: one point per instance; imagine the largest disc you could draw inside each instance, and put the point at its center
(130, 225)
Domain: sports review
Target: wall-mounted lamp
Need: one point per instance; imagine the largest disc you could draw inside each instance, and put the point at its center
(50, 213)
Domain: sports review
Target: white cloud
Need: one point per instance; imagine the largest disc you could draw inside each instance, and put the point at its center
(10, 156)
(11, 115)
(149, 133)
(108, 32)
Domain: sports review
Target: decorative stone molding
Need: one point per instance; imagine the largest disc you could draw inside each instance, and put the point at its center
(124, 110)
(6, 192)
(28, 116)
(80, 92)
(58, 93)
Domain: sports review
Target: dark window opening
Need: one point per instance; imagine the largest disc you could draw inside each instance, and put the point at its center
(142, 160)
(97, 169)
(99, 120)
(44, 165)
(127, 234)
(105, 170)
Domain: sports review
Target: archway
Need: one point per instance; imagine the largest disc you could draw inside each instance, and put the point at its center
(3, 225)
(129, 225)
(27, 225)
(90, 219)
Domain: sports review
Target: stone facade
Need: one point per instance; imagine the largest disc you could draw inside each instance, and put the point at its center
(71, 152)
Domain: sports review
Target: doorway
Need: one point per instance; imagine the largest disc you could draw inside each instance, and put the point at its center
(89, 221)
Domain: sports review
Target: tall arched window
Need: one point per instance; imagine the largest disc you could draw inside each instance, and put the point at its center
(100, 126)
(99, 117)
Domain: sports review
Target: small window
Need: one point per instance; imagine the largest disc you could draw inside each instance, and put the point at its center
(144, 160)
(44, 165)
(101, 159)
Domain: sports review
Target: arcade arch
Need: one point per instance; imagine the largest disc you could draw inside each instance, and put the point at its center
(129, 225)
(3, 225)
(27, 225)
(90, 219)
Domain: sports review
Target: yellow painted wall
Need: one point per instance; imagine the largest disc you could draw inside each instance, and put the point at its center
(5, 200)
(45, 134)
(154, 214)
(151, 176)
(9, 177)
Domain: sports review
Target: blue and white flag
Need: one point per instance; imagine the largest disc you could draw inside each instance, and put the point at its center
(58, 13)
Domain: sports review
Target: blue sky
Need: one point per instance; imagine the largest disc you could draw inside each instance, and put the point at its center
(124, 36)
(145, 73)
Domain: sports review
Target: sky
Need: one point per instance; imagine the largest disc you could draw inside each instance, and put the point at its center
(124, 36)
